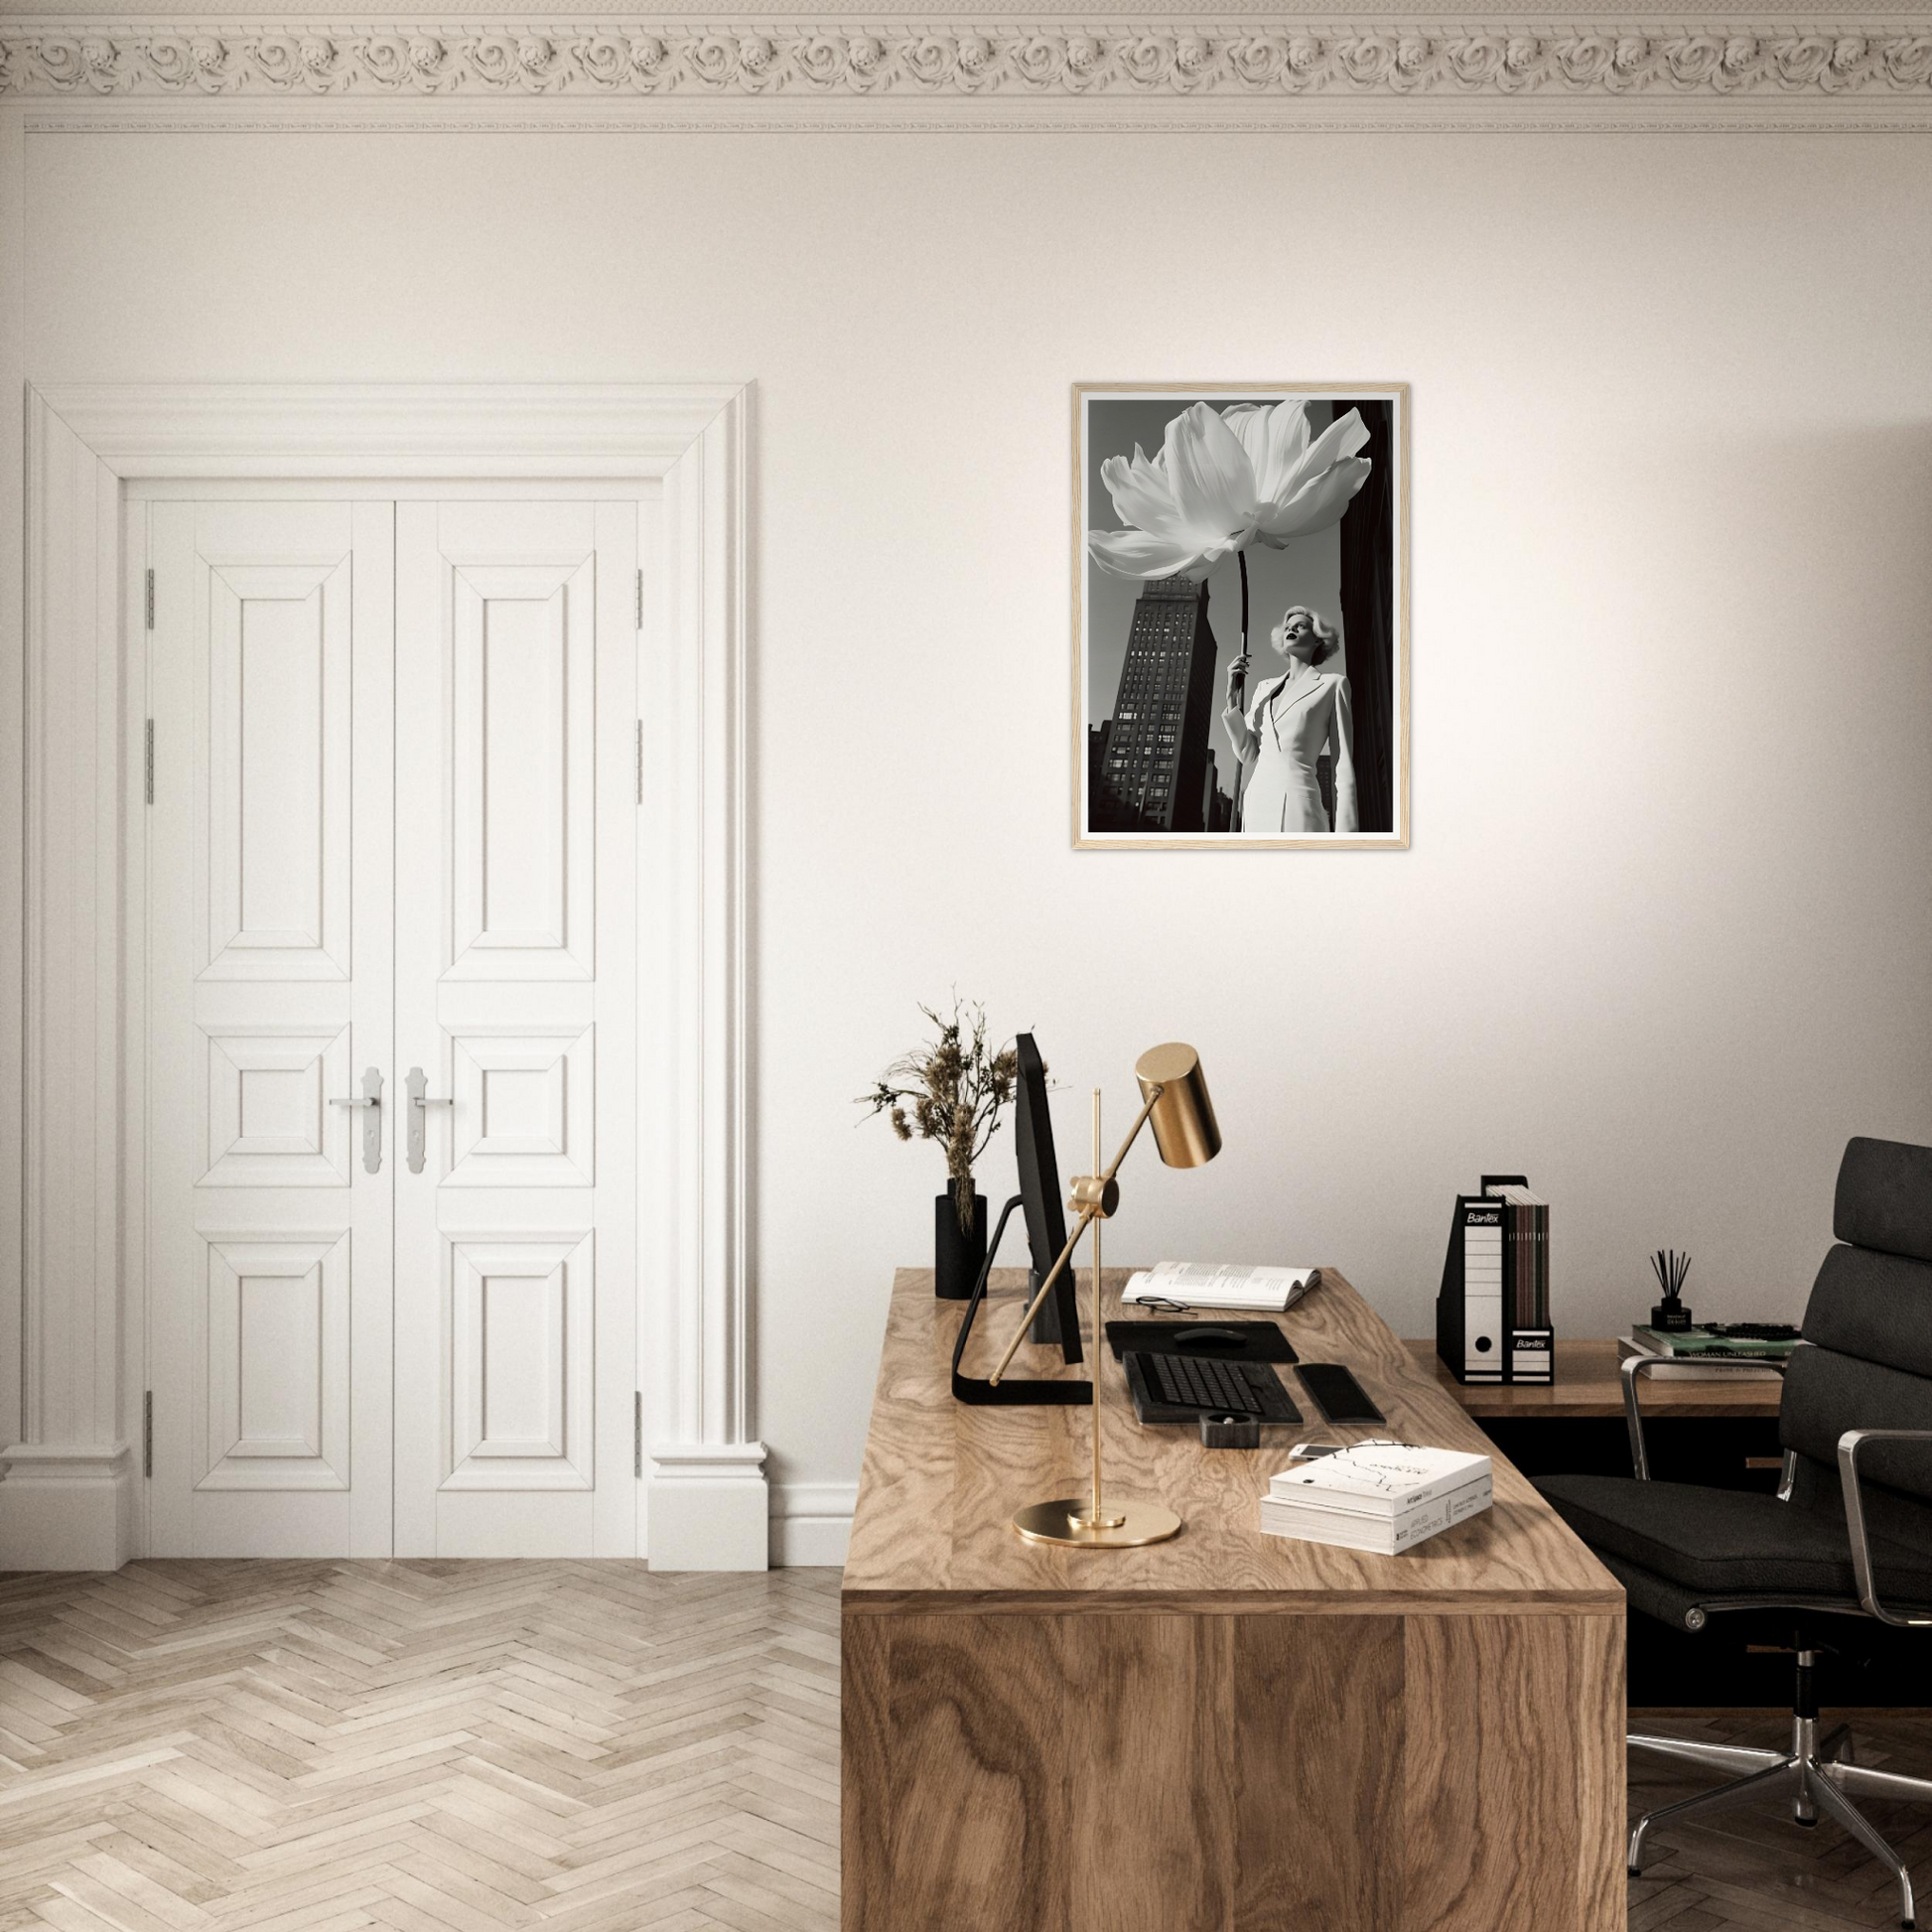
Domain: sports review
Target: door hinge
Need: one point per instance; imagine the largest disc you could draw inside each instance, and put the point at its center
(147, 1433)
(640, 597)
(150, 599)
(148, 762)
(641, 760)
(637, 1432)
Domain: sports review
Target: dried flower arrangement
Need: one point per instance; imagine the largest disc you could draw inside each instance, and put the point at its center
(950, 1091)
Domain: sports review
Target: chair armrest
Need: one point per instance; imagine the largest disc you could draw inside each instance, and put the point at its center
(1635, 1365)
(1849, 1445)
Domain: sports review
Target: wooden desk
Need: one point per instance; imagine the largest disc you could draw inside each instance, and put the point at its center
(1228, 1733)
(1587, 1384)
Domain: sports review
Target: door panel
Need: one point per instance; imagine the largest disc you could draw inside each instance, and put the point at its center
(278, 790)
(278, 1394)
(525, 1107)
(522, 1331)
(521, 771)
(515, 1242)
(270, 992)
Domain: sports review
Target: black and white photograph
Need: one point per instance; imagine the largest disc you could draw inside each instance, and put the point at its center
(1240, 628)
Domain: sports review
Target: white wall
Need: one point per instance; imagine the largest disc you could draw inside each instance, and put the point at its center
(1662, 939)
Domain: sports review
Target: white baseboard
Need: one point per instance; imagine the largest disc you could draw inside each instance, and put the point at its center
(710, 1507)
(811, 1523)
(73, 1508)
(67, 1506)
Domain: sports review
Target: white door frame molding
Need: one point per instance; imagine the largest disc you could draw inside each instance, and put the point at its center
(77, 1303)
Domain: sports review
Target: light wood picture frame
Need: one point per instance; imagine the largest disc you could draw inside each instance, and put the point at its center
(1191, 500)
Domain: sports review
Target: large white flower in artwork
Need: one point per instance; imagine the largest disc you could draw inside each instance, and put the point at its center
(1220, 483)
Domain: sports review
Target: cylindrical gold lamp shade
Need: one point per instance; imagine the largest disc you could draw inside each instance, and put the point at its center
(1184, 1128)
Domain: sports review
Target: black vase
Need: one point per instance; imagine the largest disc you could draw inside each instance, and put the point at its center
(958, 1257)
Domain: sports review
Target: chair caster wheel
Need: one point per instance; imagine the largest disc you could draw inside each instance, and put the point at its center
(1633, 1871)
(1807, 1823)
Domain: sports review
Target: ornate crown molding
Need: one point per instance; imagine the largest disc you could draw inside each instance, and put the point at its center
(1175, 62)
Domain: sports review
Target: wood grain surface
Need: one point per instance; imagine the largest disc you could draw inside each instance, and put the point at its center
(1513, 1773)
(1318, 1737)
(1151, 1782)
(1251, 1773)
(941, 1480)
(483, 1745)
(1587, 1384)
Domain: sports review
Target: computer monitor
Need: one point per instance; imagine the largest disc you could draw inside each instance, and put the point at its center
(1039, 1199)
(1039, 1193)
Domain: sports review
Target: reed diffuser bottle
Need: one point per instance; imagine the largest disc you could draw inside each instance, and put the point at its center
(1670, 1315)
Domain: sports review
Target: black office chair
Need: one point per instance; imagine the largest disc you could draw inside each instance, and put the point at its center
(1849, 1535)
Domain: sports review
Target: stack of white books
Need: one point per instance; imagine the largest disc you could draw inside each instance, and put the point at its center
(1381, 1496)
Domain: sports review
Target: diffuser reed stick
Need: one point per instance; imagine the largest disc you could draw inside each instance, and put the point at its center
(1670, 1268)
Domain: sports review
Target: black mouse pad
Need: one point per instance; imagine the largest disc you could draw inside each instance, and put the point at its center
(1217, 1341)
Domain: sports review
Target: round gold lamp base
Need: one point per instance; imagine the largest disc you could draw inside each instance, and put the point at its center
(1128, 1525)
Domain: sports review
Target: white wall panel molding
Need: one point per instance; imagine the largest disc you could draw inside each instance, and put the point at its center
(710, 1507)
(707, 1499)
(397, 429)
(76, 1407)
(67, 1507)
(1823, 70)
(811, 1523)
(67, 1491)
(13, 691)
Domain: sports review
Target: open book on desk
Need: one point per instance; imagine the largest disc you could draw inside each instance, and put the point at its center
(1212, 1285)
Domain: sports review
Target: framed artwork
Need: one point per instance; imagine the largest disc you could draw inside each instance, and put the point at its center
(1241, 614)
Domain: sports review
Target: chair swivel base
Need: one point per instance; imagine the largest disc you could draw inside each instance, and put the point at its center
(1818, 1774)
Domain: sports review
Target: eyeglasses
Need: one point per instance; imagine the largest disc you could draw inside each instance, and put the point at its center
(1165, 1305)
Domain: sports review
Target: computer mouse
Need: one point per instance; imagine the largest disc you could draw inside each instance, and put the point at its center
(1209, 1337)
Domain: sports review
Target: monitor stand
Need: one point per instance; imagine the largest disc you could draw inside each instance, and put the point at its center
(1046, 1323)
(1013, 1391)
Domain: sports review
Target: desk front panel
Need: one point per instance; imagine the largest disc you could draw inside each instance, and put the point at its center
(1143, 1771)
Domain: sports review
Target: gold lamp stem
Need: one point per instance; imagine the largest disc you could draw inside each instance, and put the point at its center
(1094, 1517)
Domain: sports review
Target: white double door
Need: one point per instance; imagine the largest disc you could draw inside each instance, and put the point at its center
(391, 860)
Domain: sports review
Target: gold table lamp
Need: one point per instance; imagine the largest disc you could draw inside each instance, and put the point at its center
(1175, 1100)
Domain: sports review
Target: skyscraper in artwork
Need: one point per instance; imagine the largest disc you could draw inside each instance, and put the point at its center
(1153, 773)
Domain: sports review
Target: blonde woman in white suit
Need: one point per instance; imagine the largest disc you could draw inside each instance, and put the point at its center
(1290, 722)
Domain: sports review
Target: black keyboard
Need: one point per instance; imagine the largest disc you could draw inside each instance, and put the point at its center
(1207, 1387)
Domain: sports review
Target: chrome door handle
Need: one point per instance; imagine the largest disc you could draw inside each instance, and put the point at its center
(417, 1082)
(372, 1098)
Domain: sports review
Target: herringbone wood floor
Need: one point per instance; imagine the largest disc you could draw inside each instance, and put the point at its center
(322, 1747)
(569, 1746)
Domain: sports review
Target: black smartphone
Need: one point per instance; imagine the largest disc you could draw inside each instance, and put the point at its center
(1337, 1394)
